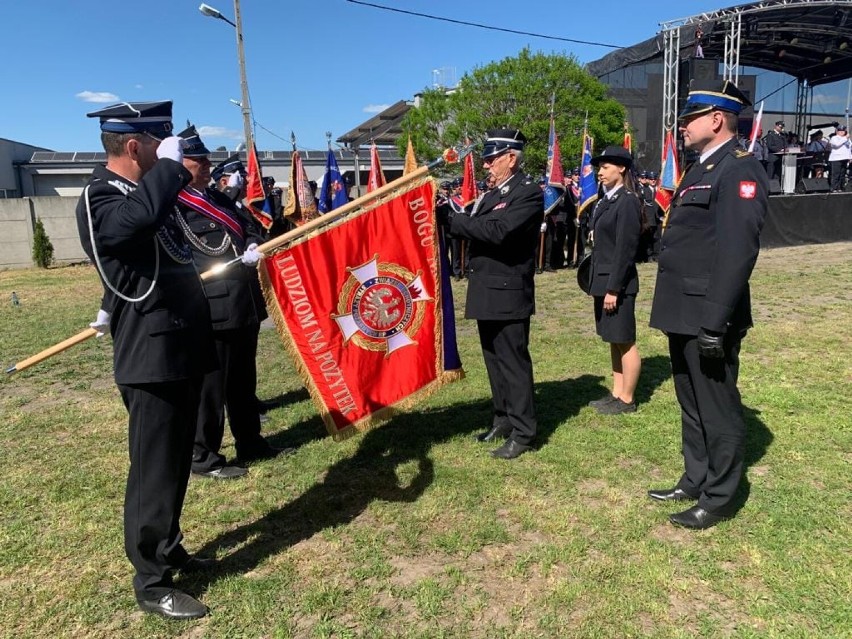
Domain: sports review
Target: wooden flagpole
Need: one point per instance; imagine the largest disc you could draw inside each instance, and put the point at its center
(82, 336)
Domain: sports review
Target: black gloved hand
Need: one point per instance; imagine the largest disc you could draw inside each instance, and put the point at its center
(710, 344)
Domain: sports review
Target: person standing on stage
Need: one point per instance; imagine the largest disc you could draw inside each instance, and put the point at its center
(503, 231)
(162, 338)
(217, 234)
(838, 157)
(616, 227)
(702, 303)
(776, 143)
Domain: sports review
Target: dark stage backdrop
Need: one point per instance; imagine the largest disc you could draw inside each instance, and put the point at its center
(793, 220)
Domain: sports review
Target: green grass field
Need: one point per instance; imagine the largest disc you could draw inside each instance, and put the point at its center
(412, 529)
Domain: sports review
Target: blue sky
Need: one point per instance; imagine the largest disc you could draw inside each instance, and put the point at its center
(312, 65)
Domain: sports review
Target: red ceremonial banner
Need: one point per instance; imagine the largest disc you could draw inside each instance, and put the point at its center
(358, 305)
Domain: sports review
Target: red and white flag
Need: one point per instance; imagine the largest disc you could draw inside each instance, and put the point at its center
(377, 178)
(755, 129)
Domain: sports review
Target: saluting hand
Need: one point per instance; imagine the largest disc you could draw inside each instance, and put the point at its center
(235, 180)
(172, 149)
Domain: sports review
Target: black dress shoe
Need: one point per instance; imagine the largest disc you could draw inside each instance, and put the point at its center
(670, 494)
(197, 564)
(510, 450)
(175, 605)
(223, 472)
(497, 432)
(696, 518)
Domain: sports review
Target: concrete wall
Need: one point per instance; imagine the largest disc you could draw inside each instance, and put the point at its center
(17, 222)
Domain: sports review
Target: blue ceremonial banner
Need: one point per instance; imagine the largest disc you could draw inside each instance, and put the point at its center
(333, 192)
(554, 189)
(588, 185)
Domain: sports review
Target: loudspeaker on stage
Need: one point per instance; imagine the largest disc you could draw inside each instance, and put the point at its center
(812, 185)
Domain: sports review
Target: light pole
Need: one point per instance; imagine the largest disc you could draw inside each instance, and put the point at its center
(245, 106)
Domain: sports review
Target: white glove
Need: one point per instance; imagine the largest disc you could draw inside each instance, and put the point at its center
(172, 148)
(251, 256)
(236, 180)
(101, 323)
(543, 227)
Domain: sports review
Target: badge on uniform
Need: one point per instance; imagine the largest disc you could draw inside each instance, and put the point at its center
(748, 190)
(504, 190)
(502, 205)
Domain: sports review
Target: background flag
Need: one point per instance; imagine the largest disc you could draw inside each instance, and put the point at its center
(377, 178)
(333, 192)
(368, 324)
(554, 190)
(628, 138)
(410, 159)
(468, 189)
(256, 200)
(669, 174)
(588, 185)
(301, 206)
(755, 129)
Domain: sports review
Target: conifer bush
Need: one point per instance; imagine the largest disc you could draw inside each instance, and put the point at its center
(42, 248)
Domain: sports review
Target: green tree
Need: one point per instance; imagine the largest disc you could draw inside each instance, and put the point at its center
(516, 93)
(431, 126)
(42, 247)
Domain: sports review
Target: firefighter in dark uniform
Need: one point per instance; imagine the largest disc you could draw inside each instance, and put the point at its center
(457, 244)
(647, 193)
(217, 234)
(556, 232)
(569, 206)
(161, 331)
(709, 247)
(503, 231)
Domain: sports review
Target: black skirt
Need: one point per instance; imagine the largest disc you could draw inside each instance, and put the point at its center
(618, 327)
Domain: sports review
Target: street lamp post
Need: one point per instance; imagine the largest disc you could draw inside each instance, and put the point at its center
(245, 105)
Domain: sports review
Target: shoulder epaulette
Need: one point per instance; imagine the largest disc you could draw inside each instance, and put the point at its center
(742, 153)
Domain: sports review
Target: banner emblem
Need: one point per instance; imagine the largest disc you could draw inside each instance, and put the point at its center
(381, 306)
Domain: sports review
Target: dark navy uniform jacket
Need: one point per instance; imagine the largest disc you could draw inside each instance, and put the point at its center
(617, 225)
(166, 336)
(234, 295)
(503, 234)
(710, 245)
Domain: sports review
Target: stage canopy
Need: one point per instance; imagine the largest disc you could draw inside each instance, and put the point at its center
(809, 40)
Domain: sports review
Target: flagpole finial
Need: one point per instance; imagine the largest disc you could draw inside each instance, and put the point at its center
(293, 139)
(328, 138)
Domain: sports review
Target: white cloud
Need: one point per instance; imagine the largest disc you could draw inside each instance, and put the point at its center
(97, 96)
(138, 86)
(375, 108)
(219, 132)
